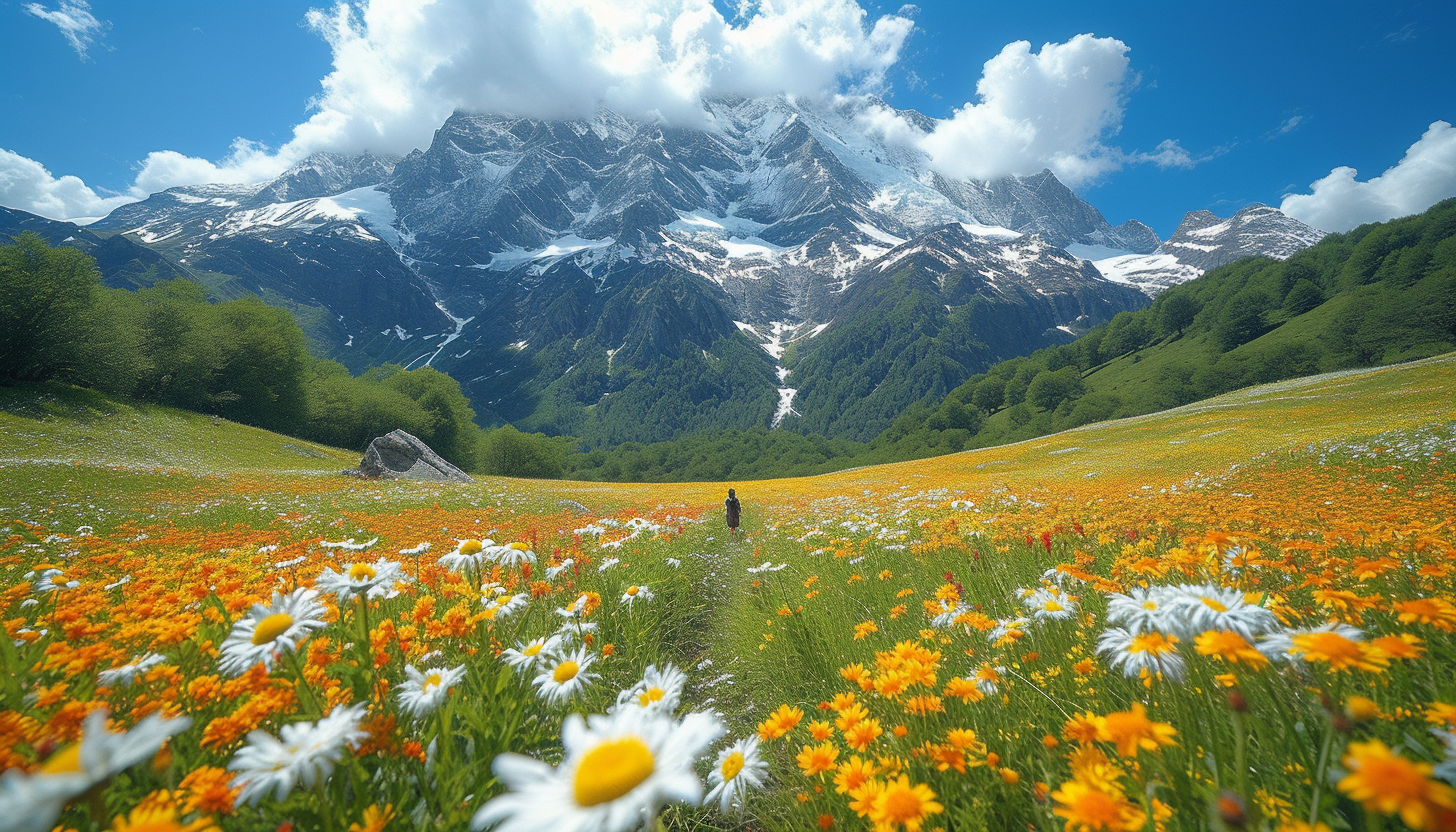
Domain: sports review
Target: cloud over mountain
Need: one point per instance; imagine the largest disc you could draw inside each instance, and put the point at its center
(1424, 176)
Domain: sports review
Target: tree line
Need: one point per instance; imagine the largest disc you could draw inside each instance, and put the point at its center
(241, 360)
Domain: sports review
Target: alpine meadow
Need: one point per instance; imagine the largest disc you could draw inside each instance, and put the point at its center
(1081, 382)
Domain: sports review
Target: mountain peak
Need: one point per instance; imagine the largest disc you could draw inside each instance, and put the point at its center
(1206, 241)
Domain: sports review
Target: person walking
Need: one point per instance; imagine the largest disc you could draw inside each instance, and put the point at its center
(734, 511)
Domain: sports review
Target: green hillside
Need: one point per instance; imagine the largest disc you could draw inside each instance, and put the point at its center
(1381, 294)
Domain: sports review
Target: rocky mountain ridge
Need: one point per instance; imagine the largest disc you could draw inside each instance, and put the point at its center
(550, 265)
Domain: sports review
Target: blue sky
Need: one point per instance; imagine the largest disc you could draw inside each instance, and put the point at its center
(1260, 99)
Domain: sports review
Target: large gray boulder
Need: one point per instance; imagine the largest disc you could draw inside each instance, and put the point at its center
(399, 455)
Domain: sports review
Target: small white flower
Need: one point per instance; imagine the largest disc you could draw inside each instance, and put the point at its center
(303, 754)
(635, 593)
(564, 675)
(515, 554)
(372, 580)
(608, 563)
(128, 673)
(1005, 627)
(553, 571)
(1141, 610)
(266, 631)
(1197, 609)
(349, 545)
(739, 768)
(425, 691)
(501, 607)
(526, 655)
(659, 690)
(1280, 643)
(1152, 652)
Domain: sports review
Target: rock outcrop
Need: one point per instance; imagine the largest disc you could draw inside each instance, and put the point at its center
(400, 455)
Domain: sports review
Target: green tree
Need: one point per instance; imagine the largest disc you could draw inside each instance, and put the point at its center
(260, 379)
(45, 299)
(1176, 312)
(1050, 388)
(989, 394)
(450, 428)
(507, 452)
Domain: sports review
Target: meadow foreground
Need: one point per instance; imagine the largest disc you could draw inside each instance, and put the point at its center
(1236, 615)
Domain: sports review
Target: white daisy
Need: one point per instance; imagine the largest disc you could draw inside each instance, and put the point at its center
(616, 773)
(501, 607)
(31, 801)
(1005, 627)
(739, 769)
(1049, 604)
(525, 655)
(564, 675)
(659, 690)
(515, 554)
(1197, 609)
(267, 631)
(553, 571)
(52, 579)
(608, 563)
(1141, 610)
(305, 753)
(635, 593)
(467, 554)
(1446, 769)
(948, 614)
(1280, 643)
(1135, 653)
(372, 580)
(128, 673)
(425, 691)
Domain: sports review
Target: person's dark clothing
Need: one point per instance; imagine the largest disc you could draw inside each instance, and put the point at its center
(735, 511)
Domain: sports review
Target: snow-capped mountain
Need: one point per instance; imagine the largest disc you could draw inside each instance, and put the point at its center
(549, 265)
(1205, 241)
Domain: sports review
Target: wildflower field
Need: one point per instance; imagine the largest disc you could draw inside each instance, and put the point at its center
(1237, 615)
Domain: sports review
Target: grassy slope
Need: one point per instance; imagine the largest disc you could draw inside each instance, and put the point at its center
(72, 427)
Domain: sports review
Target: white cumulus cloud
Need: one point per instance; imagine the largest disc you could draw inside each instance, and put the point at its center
(400, 68)
(27, 185)
(1424, 176)
(1054, 108)
(75, 20)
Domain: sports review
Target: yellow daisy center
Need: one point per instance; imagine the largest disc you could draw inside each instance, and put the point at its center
(65, 761)
(470, 547)
(1213, 604)
(270, 628)
(565, 672)
(520, 547)
(532, 650)
(432, 681)
(647, 697)
(1150, 605)
(732, 766)
(362, 572)
(1052, 606)
(612, 769)
(633, 590)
